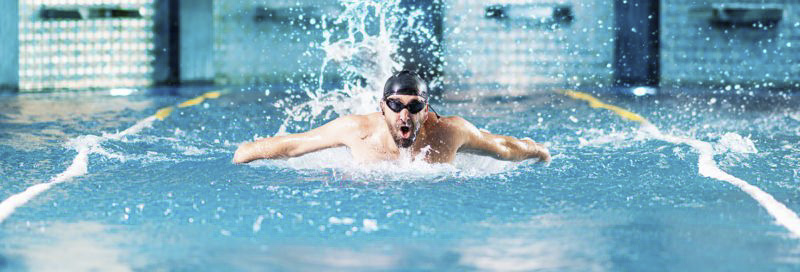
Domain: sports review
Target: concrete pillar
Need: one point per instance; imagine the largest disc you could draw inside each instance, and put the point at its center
(196, 41)
(9, 45)
(425, 56)
(636, 47)
(184, 42)
(166, 67)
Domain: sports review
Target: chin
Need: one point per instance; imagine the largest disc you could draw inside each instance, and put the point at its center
(406, 143)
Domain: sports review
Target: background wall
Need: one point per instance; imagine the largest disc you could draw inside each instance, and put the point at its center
(266, 40)
(515, 46)
(196, 41)
(9, 45)
(102, 49)
(520, 55)
(696, 52)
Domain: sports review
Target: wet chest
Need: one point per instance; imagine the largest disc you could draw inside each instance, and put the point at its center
(438, 150)
(373, 148)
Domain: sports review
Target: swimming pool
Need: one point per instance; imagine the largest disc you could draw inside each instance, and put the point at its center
(615, 197)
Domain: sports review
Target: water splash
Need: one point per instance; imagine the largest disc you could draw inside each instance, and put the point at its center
(364, 46)
(365, 55)
(405, 169)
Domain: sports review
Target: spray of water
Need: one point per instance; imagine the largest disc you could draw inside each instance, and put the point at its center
(364, 55)
(363, 45)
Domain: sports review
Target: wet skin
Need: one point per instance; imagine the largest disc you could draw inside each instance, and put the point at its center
(384, 135)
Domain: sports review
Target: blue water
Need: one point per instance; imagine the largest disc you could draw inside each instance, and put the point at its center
(168, 198)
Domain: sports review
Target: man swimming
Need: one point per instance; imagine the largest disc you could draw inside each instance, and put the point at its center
(403, 124)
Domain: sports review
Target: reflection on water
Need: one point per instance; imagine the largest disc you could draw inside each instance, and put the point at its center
(75, 246)
(33, 108)
(532, 245)
(34, 121)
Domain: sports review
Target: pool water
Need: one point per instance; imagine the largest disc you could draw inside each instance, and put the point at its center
(167, 197)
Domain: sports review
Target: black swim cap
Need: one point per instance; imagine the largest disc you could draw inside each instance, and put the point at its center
(407, 83)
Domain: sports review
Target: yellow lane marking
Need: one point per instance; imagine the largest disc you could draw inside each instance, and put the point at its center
(596, 103)
(192, 102)
(199, 99)
(212, 95)
(164, 112)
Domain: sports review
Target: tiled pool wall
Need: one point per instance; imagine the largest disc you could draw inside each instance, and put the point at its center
(518, 53)
(694, 51)
(60, 50)
(256, 41)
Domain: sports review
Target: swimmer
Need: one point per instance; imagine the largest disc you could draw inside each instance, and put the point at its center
(405, 122)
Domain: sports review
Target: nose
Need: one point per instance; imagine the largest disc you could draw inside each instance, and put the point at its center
(404, 115)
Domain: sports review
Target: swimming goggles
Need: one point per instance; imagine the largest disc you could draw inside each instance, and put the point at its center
(413, 107)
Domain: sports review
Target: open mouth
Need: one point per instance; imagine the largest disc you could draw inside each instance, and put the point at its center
(405, 131)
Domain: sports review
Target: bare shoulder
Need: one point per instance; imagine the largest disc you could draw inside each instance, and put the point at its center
(352, 121)
(357, 125)
(458, 124)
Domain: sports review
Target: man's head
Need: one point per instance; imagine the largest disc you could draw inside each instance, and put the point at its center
(405, 106)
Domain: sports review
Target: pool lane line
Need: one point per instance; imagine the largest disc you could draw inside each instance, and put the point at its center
(707, 167)
(85, 144)
(597, 104)
(166, 111)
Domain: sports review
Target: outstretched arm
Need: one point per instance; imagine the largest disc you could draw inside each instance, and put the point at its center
(499, 146)
(293, 145)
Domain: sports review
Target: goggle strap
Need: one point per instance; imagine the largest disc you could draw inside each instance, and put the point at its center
(434, 111)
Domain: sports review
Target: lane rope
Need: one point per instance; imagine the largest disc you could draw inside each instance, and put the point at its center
(85, 145)
(707, 167)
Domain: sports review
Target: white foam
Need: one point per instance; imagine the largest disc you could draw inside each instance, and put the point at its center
(257, 224)
(340, 159)
(795, 116)
(369, 225)
(598, 137)
(708, 168)
(732, 142)
(190, 150)
(85, 145)
(341, 221)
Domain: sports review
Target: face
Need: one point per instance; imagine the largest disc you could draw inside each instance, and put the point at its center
(404, 125)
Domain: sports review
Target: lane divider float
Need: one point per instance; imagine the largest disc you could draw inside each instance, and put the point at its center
(85, 145)
(707, 167)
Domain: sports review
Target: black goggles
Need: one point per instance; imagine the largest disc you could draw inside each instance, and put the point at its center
(413, 107)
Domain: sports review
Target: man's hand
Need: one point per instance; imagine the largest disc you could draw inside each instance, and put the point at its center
(537, 150)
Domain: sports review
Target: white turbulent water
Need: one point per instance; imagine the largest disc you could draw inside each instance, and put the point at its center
(411, 168)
